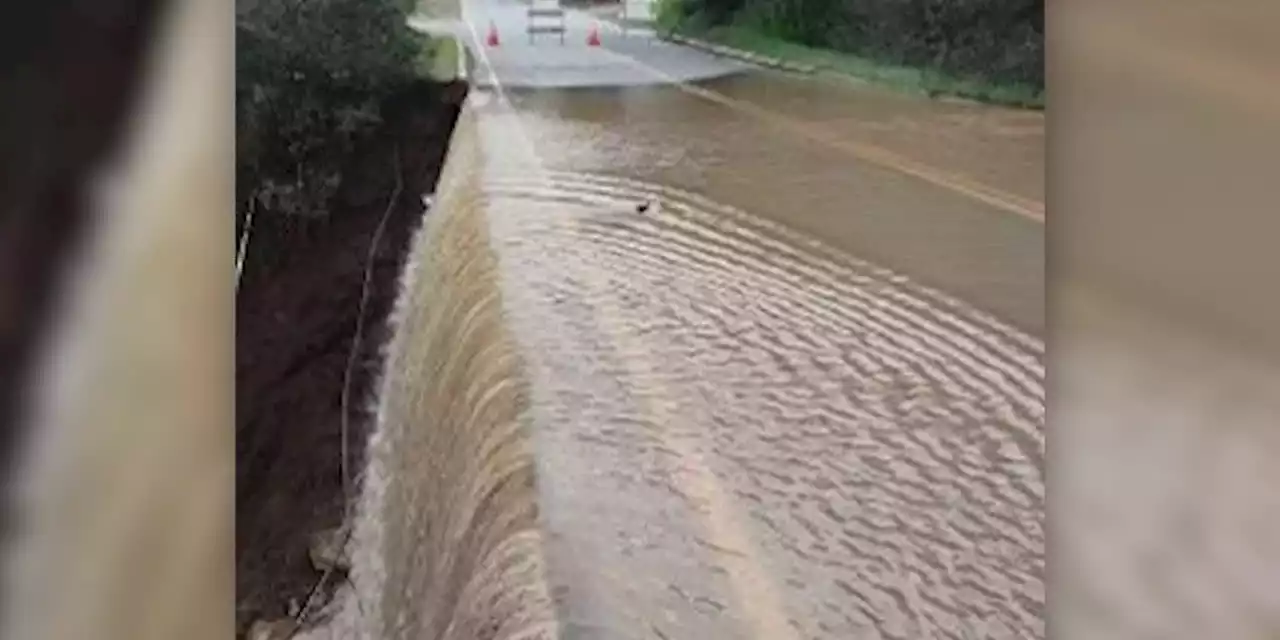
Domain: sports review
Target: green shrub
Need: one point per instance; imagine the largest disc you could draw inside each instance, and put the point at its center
(989, 40)
(694, 15)
(669, 14)
(999, 41)
(309, 77)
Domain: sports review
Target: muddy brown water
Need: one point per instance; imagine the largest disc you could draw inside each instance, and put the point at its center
(800, 397)
(816, 185)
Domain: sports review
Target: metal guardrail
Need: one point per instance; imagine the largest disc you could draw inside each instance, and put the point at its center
(556, 13)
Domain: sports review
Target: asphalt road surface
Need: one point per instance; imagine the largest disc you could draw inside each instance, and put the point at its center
(802, 395)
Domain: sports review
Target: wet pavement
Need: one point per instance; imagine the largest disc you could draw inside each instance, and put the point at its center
(802, 394)
(545, 61)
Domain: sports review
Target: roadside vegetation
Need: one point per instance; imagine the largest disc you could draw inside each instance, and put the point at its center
(986, 50)
(344, 116)
(310, 75)
(438, 59)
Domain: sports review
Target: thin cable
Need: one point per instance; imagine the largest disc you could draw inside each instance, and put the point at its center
(353, 354)
(243, 249)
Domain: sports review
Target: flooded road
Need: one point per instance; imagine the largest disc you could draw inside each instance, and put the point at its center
(756, 413)
(801, 395)
(816, 182)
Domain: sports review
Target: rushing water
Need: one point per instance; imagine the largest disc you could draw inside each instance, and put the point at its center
(445, 544)
(744, 433)
(804, 165)
(700, 420)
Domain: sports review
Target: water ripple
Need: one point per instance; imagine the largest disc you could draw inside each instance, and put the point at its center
(821, 440)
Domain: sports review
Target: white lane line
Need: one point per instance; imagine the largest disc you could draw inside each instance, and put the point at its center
(761, 606)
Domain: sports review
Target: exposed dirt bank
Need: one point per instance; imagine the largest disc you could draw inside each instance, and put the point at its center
(296, 316)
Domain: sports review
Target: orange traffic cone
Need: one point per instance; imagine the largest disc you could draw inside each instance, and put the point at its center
(492, 38)
(593, 36)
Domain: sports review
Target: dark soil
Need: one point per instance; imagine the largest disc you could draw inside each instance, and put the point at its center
(296, 318)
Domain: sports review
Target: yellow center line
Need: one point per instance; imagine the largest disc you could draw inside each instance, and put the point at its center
(758, 602)
(1026, 207)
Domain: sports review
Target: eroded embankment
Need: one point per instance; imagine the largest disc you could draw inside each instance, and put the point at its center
(298, 302)
(446, 543)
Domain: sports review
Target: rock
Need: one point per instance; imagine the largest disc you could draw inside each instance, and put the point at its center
(271, 630)
(328, 550)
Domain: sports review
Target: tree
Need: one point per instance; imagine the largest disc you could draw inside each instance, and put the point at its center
(309, 76)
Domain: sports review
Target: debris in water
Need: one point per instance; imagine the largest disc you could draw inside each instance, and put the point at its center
(328, 550)
(275, 630)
